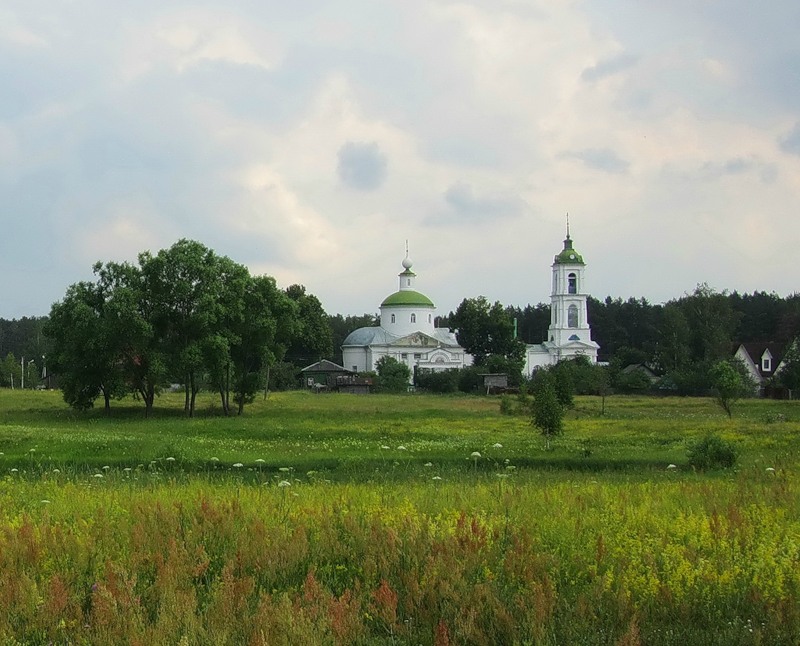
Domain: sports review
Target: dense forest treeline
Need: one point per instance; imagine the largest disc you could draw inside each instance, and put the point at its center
(702, 325)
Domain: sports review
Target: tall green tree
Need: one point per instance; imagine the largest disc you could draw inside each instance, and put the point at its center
(86, 348)
(547, 412)
(313, 339)
(674, 338)
(712, 323)
(267, 326)
(485, 329)
(186, 284)
(132, 312)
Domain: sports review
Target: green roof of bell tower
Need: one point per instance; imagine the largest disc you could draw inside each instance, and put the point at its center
(569, 256)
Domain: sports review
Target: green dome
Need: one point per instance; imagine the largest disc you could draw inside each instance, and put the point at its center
(569, 256)
(407, 297)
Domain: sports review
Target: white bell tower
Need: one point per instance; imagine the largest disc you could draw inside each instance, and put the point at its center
(569, 333)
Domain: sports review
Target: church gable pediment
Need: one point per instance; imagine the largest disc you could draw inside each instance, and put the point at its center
(416, 340)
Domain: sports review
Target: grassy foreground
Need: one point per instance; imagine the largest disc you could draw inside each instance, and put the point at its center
(364, 520)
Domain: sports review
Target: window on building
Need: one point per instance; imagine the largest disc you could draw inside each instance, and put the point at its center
(355, 368)
(766, 364)
(392, 318)
(572, 284)
(572, 316)
(408, 282)
(404, 356)
(413, 318)
(430, 318)
(417, 355)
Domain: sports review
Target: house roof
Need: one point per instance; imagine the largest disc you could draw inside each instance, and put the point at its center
(325, 366)
(756, 349)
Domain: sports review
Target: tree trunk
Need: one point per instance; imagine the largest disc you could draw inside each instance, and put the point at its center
(195, 389)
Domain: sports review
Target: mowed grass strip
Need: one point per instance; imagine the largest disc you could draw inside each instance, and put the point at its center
(351, 436)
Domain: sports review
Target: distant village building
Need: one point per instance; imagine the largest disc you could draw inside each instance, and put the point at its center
(327, 376)
(406, 332)
(569, 334)
(761, 360)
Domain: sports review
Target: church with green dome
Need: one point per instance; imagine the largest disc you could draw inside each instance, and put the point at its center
(407, 332)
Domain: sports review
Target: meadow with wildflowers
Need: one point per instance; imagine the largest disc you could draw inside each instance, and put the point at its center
(325, 519)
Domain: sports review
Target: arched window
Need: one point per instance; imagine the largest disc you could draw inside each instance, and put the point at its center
(572, 316)
(413, 318)
(392, 318)
(430, 318)
(408, 282)
(572, 287)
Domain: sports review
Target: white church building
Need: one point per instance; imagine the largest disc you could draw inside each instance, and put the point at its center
(569, 334)
(406, 332)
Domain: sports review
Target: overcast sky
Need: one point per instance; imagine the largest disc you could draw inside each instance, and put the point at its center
(309, 140)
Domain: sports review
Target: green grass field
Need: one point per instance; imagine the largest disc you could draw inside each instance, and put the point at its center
(328, 519)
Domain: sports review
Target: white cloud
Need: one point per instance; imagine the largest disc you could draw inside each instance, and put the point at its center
(131, 127)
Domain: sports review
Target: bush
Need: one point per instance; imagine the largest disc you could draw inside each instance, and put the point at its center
(507, 405)
(443, 381)
(712, 452)
(393, 376)
(469, 380)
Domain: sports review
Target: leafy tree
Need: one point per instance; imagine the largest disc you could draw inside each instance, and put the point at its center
(314, 338)
(712, 323)
(185, 283)
(260, 335)
(393, 376)
(562, 379)
(789, 375)
(184, 314)
(9, 370)
(674, 337)
(728, 384)
(547, 412)
(132, 312)
(485, 330)
(86, 347)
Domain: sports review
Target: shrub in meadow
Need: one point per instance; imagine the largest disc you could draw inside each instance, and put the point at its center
(712, 452)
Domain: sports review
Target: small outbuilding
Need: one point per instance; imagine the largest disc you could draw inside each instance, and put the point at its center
(323, 374)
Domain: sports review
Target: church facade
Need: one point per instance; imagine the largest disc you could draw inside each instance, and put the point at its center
(407, 332)
(569, 334)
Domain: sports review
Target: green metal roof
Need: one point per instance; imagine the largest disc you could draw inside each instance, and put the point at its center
(569, 256)
(406, 297)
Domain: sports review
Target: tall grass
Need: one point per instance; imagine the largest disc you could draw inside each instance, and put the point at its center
(596, 542)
